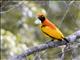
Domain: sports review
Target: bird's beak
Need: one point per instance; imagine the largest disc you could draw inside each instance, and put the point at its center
(37, 21)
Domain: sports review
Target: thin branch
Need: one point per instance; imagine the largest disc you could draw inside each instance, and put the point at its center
(41, 47)
(13, 7)
(66, 12)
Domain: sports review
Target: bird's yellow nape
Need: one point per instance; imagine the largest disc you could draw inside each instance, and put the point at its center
(40, 14)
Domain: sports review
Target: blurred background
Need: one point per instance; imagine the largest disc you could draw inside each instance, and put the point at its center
(19, 33)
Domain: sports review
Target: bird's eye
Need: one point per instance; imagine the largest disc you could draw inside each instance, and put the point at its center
(42, 18)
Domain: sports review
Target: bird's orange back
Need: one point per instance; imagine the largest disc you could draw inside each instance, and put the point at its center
(48, 23)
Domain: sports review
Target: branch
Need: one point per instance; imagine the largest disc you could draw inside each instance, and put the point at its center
(12, 7)
(66, 12)
(41, 47)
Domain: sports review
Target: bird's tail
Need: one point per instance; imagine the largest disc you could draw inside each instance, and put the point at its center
(66, 40)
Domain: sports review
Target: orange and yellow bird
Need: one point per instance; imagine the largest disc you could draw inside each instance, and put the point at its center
(49, 28)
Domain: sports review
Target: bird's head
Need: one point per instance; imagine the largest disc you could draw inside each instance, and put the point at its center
(40, 18)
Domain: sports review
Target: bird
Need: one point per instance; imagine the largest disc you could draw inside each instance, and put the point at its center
(49, 28)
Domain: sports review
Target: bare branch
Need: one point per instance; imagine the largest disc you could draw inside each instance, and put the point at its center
(11, 8)
(66, 12)
(71, 38)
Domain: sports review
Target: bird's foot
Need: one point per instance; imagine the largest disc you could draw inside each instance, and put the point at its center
(49, 41)
(68, 46)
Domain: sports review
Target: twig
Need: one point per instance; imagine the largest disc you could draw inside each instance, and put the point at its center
(44, 46)
(13, 7)
(68, 7)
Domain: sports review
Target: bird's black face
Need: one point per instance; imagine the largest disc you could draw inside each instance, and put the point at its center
(42, 18)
